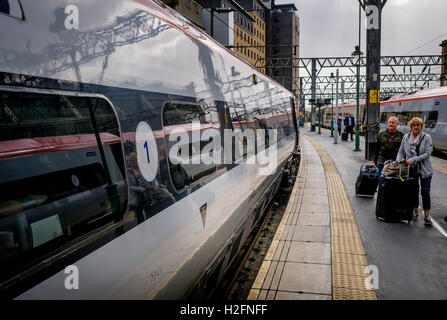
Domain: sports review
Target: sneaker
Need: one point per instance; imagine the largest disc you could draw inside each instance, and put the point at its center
(427, 221)
(415, 216)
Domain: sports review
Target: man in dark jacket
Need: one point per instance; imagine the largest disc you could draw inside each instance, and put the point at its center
(388, 143)
(349, 123)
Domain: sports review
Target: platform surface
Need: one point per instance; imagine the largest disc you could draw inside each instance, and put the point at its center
(329, 239)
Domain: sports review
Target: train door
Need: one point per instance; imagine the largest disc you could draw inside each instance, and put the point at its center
(431, 127)
(295, 122)
(62, 178)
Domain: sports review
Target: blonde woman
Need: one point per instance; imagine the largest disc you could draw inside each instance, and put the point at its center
(415, 149)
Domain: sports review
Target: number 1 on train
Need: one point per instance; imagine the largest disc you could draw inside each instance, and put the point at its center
(147, 152)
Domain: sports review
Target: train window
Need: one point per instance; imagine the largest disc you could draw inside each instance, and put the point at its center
(179, 113)
(431, 119)
(403, 118)
(414, 115)
(240, 122)
(288, 125)
(54, 179)
(277, 123)
(11, 8)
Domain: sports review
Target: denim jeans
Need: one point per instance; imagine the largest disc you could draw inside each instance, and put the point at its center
(379, 170)
(425, 193)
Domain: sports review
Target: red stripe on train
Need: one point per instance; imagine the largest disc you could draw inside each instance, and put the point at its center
(25, 147)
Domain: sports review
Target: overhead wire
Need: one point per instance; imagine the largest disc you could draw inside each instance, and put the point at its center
(423, 45)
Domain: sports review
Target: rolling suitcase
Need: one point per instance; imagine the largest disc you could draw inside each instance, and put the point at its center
(344, 136)
(396, 198)
(367, 181)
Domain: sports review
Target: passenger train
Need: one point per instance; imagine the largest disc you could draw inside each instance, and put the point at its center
(428, 104)
(92, 95)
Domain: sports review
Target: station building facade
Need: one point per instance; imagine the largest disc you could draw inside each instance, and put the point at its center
(191, 10)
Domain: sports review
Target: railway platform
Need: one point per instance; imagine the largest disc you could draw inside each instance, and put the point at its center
(329, 244)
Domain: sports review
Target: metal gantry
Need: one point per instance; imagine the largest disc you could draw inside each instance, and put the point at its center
(406, 81)
(432, 77)
(348, 62)
(351, 92)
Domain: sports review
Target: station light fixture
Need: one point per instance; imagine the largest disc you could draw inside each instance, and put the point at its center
(332, 77)
(357, 54)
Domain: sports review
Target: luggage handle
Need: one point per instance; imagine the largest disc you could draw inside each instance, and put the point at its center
(400, 171)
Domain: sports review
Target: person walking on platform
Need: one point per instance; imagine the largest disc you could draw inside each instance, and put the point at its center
(339, 123)
(349, 123)
(388, 143)
(415, 149)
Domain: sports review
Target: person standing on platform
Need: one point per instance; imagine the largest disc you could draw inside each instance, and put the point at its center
(349, 123)
(388, 143)
(415, 149)
(339, 122)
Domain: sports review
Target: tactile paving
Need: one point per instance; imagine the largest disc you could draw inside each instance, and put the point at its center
(347, 258)
(349, 282)
(353, 294)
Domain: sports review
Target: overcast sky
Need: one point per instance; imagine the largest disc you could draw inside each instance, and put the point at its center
(329, 28)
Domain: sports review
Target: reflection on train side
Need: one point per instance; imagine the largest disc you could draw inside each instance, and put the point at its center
(55, 186)
(181, 115)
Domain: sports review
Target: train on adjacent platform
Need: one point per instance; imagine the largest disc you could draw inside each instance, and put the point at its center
(428, 104)
(91, 207)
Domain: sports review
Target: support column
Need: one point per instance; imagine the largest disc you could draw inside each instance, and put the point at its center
(444, 63)
(373, 10)
(314, 89)
(301, 114)
(336, 110)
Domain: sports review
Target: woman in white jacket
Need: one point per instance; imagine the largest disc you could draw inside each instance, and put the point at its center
(415, 149)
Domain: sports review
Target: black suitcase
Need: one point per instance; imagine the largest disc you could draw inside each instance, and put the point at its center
(396, 198)
(367, 181)
(344, 136)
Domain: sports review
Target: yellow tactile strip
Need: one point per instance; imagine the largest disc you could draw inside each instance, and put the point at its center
(348, 255)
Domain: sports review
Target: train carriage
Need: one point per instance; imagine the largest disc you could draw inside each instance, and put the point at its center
(93, 97)
(343, 110)
(428, 104)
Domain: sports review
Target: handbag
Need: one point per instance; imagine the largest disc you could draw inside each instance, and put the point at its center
(395, 168)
